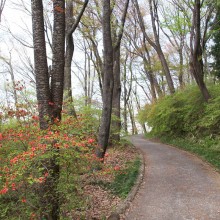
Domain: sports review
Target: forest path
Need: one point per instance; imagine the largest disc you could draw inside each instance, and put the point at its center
(177, 186)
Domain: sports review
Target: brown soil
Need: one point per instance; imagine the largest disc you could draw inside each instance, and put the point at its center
(101, 202)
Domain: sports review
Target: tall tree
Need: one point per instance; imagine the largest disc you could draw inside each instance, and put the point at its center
(117, 37)
(153, 4)
(49, 99)
(71, 26)
(40, 62)
(197, 45)
(215, 48)
(108, 82)
(175, 19)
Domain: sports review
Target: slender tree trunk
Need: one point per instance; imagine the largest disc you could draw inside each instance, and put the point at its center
(125, 100)
(131, 114)
(116, 101)
(139, 108)
(166, 70)
(156, 45)
(70, 28)
(180, 76)
(68, 99)
(108, 82)
(150, 77)
(196, 64)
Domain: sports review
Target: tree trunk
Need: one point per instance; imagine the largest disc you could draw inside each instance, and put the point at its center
(49, 99)
(166, 70)
(116, 104)
(70, 28)
(196, 65)
(108, 82)
(156, 45)
(68, 99)
(180, 76)
(125, 100)
(133, 124)
(150, 77)
(58, 59)
(40, 60)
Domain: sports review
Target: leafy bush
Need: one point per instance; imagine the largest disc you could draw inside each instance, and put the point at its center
(25, 155)
(184, 113)
(208, 148)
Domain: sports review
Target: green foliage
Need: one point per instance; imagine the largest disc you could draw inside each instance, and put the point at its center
(25, 155)
(124, 179)
(208, 148)
(187, 121)
(184, 113)
(215, 48)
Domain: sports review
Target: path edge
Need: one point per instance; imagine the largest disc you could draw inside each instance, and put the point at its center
(125, 204)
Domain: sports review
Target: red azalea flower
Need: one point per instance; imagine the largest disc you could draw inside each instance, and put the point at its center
(117, 168)
(24, 200)
(4, 191)
(90, 140)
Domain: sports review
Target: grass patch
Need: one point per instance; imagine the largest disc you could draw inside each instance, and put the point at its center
(207, 148)
(125, 179)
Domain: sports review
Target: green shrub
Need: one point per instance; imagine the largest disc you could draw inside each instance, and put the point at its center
(184, 113)
(26, 153)
(207, 148)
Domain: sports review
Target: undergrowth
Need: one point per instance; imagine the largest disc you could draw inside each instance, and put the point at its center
(124, 179)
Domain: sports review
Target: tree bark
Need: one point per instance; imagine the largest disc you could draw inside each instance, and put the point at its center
(131, 114)
(116, 102)
(68, 99)
(49, 99)
(196, 65)
(156, 45)
(58, 60)
(108, 82)
(70, 28)
(40, 60)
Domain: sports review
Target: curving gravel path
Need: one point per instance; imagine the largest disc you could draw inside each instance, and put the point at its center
(176, 186)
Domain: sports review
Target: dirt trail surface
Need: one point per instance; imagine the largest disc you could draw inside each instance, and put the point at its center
(176, 186)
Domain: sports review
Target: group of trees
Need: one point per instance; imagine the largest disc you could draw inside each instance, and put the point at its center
(170, 40)
(130, 47)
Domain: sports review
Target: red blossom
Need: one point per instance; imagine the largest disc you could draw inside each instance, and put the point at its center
(117, 168)
(4, 191)
(1, 136)
(24, 200)
(41, 180)
(14, 160)
(90, 140)
(35, 117)
(13, 186)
